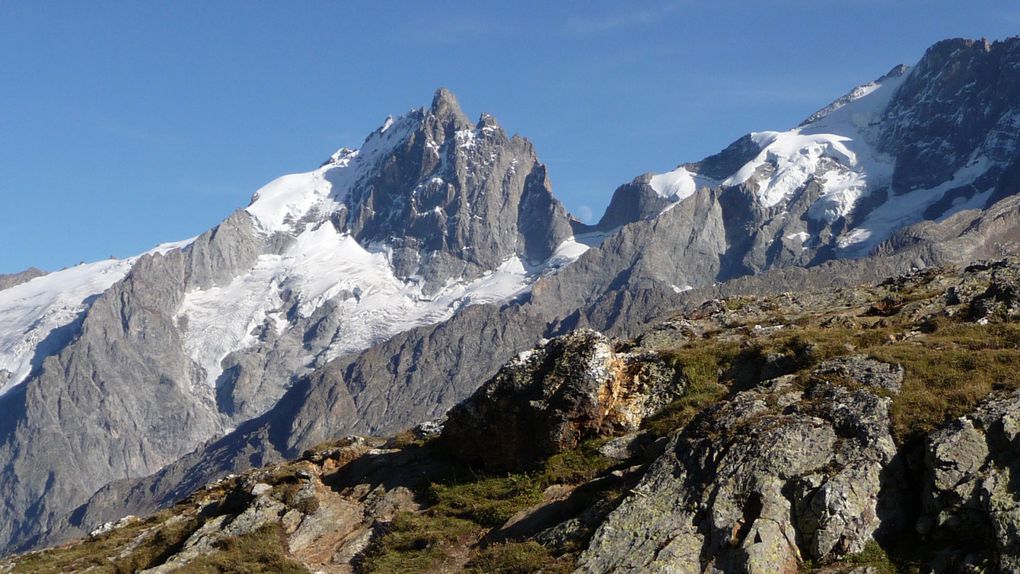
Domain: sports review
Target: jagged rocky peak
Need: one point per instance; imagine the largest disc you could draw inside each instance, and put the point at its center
(447, 198)
(445, 111)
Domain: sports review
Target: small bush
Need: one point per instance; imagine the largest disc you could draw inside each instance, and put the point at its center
(576, 466)
(875, 557)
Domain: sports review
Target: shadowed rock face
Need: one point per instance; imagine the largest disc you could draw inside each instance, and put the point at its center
(552, 398)
(970, 488)
(962, 97)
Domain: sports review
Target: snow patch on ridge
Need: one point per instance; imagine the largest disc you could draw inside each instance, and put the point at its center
(907, 209)
(679, 184)
(287, 200)
(30, 311)
(835, 148)
(793, 159)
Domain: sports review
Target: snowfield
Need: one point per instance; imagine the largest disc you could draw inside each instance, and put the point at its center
(323, 266)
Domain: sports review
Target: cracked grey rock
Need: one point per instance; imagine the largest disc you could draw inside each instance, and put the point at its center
(747, 488)
(971, 468)
(863, 370)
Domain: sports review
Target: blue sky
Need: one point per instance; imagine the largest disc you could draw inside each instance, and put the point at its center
(127, 124)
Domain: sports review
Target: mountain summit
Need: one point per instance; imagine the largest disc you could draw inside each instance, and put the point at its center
(163, 351)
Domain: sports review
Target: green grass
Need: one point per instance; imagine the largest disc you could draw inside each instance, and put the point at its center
(518, 558)
(953, 370)
(488, 502)
(702, 365)
(419, 542)
(104, 554)
(260, 552)
(949, 369)
(466, 504)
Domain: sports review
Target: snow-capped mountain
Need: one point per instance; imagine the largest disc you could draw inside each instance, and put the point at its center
(168, 349)
(333, 246)
(381, 288)
(914, 145)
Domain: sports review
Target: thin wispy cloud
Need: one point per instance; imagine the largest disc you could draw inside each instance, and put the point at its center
(453, 30)
(593, 25)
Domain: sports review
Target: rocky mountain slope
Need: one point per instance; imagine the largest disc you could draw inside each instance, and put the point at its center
(145, 359)
(863, 429)
(381, 288)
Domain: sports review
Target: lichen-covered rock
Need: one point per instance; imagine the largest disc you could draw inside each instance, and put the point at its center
(552, 398)
(761, 482)
(971, 506)
(1002, 297)
(864, 370)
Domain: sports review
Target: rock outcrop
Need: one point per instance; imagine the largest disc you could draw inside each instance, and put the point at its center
(773, 477)
(554, 397)
(12, 279)
(971, 508)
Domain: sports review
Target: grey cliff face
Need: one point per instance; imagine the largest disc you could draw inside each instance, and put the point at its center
(118, 400)
(631, 202)
(961, 98)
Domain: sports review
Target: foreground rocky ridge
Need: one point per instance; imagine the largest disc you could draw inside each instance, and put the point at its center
(867, 429)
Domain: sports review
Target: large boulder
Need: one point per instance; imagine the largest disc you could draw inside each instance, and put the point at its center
(552, 398)
(775, 475)
(971, 507)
